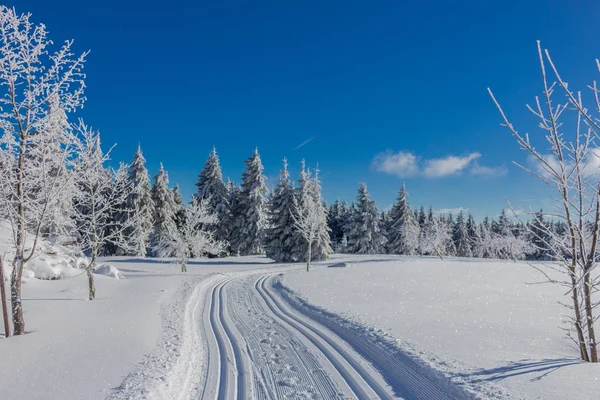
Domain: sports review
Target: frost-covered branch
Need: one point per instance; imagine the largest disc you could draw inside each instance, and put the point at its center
(38, 87)
(100, 197)
(192, 238)
(571, 170)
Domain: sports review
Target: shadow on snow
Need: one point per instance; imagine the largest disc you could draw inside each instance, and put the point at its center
(539, 368)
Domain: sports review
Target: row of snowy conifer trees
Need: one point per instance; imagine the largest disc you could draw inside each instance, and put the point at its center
(362, 228)
(247, 220)
(149, 218)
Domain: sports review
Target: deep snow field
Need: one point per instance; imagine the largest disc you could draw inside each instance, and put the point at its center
(476, 321)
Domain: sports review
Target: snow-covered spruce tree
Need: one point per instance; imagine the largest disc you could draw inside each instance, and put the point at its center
(165, 209)
(486, 239)
(461, 237)
(179, 207)
(233, 195)
(192, 239)
(424, 247)
(450, 246)
(212, 188)
(540, 239)
(572, 129)
(100, 194)
(384, 223)
(474, 237)
(364, 236)
(36, 82)
(141, 205)
(335, 221)
(403, 229)
(280, 235)
(502, 225)
(422, 219)
(247, 236)
(347, 225)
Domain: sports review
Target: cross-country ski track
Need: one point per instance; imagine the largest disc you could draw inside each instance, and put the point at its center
(244, 338)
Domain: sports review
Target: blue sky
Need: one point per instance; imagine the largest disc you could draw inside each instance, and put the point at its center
(364, 80)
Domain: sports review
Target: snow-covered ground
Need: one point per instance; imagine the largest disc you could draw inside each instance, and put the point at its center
(476, 320)
(80, 349)
(432, 329)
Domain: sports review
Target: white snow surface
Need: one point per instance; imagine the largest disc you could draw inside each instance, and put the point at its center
(475, 320)
(154, 334)
(80, 349)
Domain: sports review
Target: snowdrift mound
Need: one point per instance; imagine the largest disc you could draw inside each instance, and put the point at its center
(51, 260)
(51, 267)
(109, 270)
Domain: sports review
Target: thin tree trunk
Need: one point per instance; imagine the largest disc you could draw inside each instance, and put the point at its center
(15, 299)
(91, 285)
(90, 274)
(3, 300)
(308, 256)
(19, 261)
(590, 317)
(582, 345)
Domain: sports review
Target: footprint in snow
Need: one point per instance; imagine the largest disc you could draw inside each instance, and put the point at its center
(275, 359)
(290, 381)
(290, 367)
(302, 394)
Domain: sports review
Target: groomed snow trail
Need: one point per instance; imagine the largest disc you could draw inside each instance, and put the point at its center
(259, 346)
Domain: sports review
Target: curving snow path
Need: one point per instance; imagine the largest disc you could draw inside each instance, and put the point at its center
(241, 335)
(260, 346)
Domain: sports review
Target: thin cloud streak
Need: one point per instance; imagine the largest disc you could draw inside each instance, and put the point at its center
(304, 143)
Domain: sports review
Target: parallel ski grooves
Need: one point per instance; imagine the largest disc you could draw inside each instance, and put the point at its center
(333, 352)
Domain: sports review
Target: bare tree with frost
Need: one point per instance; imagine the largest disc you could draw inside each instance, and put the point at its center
(100, 194)
(192, 238)
(571, 170)
(309, 217)
(35, 83)
(436, 237)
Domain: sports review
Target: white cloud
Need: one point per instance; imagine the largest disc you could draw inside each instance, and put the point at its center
(450, 165)
(590, 164)
(406, 165)
(402, 164)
